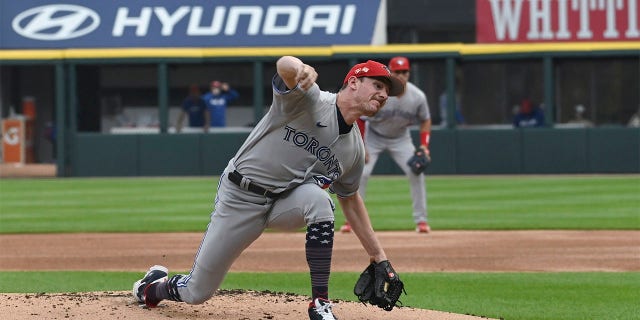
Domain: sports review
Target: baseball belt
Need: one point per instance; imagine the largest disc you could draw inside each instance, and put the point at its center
(246, 184)
(380, 134)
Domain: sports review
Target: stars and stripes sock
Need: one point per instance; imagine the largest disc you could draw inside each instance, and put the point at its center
(319, 247)
(164, 290)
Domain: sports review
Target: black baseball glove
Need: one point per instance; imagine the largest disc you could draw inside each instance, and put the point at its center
(364, 286)
(419, 161)
(379, 285)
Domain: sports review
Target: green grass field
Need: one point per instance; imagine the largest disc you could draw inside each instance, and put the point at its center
(184, 204)
(464, 203)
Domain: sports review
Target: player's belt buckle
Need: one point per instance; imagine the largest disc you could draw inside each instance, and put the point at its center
(244, 183)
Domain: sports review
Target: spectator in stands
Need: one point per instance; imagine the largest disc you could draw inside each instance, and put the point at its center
(579, 118)
(193, 107)
(217, 100)
(443, 110)
(443, 104)
(528, 116)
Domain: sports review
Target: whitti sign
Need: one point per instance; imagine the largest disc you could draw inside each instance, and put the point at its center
(556, 20)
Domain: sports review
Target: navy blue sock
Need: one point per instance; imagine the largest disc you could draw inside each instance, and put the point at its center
(319, 247)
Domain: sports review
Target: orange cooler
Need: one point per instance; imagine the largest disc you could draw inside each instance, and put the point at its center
(13, 140)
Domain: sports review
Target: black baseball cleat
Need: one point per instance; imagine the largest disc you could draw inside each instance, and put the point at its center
(320, 309)
(154, 275)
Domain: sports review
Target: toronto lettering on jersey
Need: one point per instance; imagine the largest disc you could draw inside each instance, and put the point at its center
(311, 145)
(122, 23)
(557, 20)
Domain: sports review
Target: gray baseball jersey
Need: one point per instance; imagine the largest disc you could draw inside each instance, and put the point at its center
(399, 113)
(299, 139)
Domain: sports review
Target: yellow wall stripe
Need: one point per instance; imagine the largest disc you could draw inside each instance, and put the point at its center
(327, 51)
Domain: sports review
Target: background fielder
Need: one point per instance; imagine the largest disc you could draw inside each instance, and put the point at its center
(389, 130)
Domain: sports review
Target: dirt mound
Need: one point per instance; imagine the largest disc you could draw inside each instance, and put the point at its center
(226, 305)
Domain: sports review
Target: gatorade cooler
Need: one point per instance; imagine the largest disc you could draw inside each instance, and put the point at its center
(18, 134)
(13, 140)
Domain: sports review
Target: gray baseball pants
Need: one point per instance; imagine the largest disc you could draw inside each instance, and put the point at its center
(401, 150)
(238, 219)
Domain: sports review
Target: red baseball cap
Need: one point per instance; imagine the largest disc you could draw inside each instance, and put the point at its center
(399, 63)
(216, 84)
(376, 69)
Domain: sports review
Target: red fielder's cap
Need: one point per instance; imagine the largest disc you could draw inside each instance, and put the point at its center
(376, 69)
(399, 64)
(216, 84)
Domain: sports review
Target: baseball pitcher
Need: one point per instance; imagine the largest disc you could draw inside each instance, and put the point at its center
(306, 143)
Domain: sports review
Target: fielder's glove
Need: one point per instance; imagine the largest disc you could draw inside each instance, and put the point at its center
(379, 285)
(419, 161)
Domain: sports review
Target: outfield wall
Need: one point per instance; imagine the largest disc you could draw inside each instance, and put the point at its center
(66, 96)
(455, 151)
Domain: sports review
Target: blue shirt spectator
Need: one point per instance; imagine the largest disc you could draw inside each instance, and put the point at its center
(193, 107)
(528, 116)
(443, 111)
(217, 100)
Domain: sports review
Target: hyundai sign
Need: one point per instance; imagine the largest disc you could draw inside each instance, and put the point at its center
(32, 24)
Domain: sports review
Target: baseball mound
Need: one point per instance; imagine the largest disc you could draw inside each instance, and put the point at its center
(236, 305)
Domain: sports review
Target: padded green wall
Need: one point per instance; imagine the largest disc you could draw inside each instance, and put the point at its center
(612, 150)
(105, 155)
(462, 151)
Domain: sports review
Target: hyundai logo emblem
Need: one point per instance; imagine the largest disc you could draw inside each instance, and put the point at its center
(56, 22)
